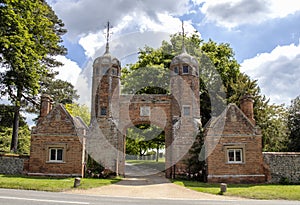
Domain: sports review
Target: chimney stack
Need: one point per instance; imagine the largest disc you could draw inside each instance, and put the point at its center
(46, 105)
(246, 105)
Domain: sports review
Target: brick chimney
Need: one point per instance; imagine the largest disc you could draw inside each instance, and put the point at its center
(246, 105)
(46, 105)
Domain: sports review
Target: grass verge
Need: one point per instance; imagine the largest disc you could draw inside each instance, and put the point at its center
(160, 165)
(50, 184)
(257, 191)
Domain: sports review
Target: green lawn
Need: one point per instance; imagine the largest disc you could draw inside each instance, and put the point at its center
(160, 165)
(50, 184)
(261, 191)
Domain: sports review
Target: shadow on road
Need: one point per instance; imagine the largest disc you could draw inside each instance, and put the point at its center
(141, 175)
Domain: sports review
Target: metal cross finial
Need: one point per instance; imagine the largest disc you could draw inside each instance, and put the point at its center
(183, 46)
(182, 25)
(108, 27)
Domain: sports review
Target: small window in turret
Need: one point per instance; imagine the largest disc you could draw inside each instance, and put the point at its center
(186, 110)
(114, 71)
(176, 70)
(185, 69)
(103, 111)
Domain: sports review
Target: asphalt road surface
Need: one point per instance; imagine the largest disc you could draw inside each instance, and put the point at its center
(24, 197)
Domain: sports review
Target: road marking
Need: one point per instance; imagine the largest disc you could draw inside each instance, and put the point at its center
(43, 200)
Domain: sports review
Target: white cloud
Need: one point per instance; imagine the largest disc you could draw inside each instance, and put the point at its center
(135, 24)
(232, 13)
(278, 72)
(125, 48)
(89, 16)
(126, 32)
(69, 71)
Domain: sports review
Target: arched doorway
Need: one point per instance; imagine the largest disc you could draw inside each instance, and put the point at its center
(145, 150)
(151, 111)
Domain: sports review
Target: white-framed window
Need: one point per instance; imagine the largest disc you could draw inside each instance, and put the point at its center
(186, 109)
(185, 69)
(145, 111)
(235, 155)
(56, 154)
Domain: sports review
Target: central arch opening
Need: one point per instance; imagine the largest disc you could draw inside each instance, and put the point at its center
(145, 150)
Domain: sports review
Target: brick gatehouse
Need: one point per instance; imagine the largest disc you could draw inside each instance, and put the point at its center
(233, 142)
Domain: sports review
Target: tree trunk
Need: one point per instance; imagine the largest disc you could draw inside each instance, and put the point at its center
(15, 131)
(157, 152)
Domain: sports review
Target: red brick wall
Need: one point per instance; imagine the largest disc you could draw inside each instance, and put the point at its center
(233, 130)
(39, 157)
(251, 170)
(57, 129)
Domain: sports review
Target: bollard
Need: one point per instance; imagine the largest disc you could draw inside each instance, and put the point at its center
(223, 187)
(76, 182)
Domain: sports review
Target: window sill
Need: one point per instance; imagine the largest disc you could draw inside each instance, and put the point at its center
(235, 163)
(55, 162)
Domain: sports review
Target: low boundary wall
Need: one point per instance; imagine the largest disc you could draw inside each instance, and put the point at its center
(282, 166)
(10, 164)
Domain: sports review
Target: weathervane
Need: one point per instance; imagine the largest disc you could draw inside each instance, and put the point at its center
(183, 46)
(108, 27)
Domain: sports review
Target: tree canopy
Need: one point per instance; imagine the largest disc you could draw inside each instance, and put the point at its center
(294, 125)
(6, 122)
(221, 82)
(78, 110)
(30, 39)
(141, 138)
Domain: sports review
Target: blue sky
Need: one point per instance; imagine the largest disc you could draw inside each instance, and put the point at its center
(263, 33)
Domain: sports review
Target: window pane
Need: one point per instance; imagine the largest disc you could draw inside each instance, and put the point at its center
(52, 154)
(186, 111)
(238, 157)
(59, 154)
(176, 70)
(103, 111)
(114, 71)
(185, 69)
(231, 155)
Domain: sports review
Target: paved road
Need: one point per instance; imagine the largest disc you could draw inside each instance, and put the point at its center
(23, 197)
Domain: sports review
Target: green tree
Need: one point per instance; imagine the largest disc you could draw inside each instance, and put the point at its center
(61, 91)
(30, 38)
(294, 125)
(23, 142)
(6, 124)
(195, 164)
(220, 81)
(80, 111)
(7, 116)
(141, 138)
(272, 119)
